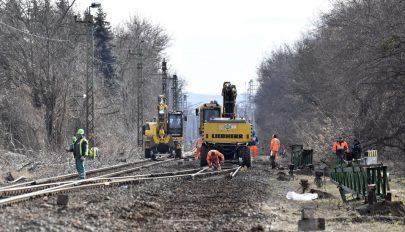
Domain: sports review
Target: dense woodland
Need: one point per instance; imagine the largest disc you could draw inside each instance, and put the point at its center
(44, 52)
(344, 78)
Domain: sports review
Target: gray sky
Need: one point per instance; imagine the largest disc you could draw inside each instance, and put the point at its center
(219, 40)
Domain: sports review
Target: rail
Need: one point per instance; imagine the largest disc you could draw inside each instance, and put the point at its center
(73, 175)
(109, 182)
(51, 182)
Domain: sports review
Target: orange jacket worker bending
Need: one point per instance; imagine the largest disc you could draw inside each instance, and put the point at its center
(213, 157)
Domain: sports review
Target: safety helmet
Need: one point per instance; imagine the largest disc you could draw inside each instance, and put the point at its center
(80, 131)
(74, 139)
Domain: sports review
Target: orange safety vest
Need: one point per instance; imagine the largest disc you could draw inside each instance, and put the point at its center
(275, 144)
(253, 151)
(215, 156)
(198, 143)
(340, 146)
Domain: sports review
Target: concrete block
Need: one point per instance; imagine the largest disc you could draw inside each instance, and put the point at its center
(311, 224)
(307, 213)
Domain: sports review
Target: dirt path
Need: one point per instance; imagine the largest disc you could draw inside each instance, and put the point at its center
(252, 201)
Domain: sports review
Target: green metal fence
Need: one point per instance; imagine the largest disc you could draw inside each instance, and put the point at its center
(301, 157)
(357, 178)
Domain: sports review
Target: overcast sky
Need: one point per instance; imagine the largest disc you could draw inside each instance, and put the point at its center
(219, 40)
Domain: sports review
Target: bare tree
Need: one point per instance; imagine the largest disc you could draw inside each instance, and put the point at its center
(344, 78)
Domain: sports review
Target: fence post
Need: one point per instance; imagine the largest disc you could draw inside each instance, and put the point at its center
(379, 180)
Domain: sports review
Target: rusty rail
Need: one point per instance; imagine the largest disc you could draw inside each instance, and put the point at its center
(87, 184)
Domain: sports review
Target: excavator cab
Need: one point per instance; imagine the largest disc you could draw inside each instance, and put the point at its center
(175, 124)
(210, 114)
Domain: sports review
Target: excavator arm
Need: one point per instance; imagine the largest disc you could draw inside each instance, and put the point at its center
(229, 100)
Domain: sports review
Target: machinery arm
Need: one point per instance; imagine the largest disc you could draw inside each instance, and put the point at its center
(229, 100)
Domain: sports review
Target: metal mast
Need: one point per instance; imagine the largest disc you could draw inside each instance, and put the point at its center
(175, 93)
(90, 74)
(139, 82)
(90, 82)
(185, 113)
(251, 98)
(90, 91)
(164, 78)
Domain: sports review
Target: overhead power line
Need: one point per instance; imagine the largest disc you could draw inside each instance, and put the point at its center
(33, 35)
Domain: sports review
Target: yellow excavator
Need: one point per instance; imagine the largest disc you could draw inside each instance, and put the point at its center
(221, 130)
(164, 135)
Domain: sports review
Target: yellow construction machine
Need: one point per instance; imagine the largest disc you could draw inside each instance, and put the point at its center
(164, 135)
(223, 131)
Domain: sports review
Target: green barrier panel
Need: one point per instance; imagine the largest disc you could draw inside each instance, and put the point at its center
(301, 157)
(356, 179)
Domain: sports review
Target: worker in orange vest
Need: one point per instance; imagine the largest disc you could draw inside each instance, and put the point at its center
(253, 145)
(340, 147)
(213, 157)
(198, 145)
(274, 148)
(254, 152)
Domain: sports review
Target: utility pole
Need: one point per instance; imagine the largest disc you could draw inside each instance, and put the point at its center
(90, 74)
(164, 78)
(185, 113)
(174, 105)
(246, 103)
(140, 85)
(90, 90)
(175, 93)
(250, 101)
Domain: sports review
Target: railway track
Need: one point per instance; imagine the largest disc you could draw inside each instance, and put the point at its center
(89, 173)
(104, 182)
(46, 183)
(101, 178)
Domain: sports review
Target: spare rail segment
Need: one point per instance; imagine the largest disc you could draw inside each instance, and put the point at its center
(356, 179)
(233, 174)
(80, 184)
(200, 171)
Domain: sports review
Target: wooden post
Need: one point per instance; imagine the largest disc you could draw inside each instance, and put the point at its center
(371, 197)
(308, 222)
